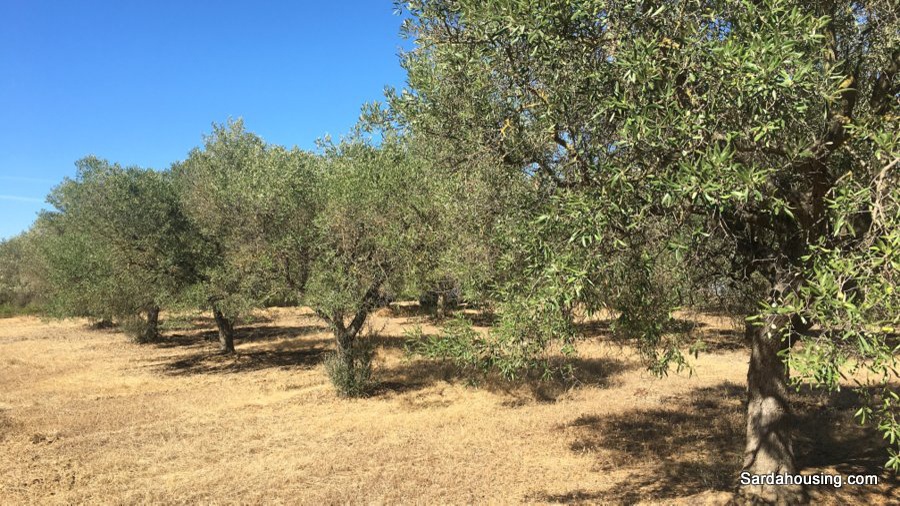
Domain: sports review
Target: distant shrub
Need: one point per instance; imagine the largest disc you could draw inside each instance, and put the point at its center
(11, 310)
(178, 322)
(351, 371)
(458, 343)
(499, 351)
(139, 330)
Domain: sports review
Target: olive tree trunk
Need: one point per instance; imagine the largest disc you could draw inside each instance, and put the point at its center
(345, 339)
(151, 332)
(769, 418)
(441, 306)
(226, 331)
(344, 334)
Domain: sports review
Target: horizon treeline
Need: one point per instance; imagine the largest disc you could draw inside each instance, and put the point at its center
(547, 162)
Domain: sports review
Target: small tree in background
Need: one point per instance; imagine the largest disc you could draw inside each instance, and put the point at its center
(21, 285)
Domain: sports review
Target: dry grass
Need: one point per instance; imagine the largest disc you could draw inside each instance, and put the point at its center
(87, 417)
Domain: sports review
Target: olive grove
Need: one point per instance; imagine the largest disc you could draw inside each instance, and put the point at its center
(548, 161)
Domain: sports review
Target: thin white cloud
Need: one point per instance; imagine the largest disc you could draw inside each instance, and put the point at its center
(27, 179)
(18, 198)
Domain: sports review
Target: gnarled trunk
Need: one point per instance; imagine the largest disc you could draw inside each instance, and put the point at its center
(769, 418)
(226, 331)
(151, 333)
(345, 335)
(441, 310)
(345, 341)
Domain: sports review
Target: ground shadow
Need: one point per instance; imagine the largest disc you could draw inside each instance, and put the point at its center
(595, 329)
(102, 325)
(298, 354)
(694, 445)
(386, 341)
(429, 314)
(722, 340)
(831, 438)
(715, 340)
(418, 373)
(602, 327)
(242, 334)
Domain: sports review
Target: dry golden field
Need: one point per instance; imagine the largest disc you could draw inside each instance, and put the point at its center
(88, 417)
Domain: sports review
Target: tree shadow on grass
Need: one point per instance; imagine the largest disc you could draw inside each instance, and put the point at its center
(691, 447)
(242, 334)
(386, 341)
(297, 354)
(722, 340)
(595, 329)
(695, 445)
(830, 438)
(418, 373)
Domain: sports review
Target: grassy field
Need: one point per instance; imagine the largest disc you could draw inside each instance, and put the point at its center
(87, 417)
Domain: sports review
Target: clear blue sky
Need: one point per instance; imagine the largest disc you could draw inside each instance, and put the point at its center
(140, 82)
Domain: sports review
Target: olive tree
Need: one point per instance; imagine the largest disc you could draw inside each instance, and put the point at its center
(373, 235)
(751, 145)
(470, 196)
(114, 245)
(21, 285)
(251, 204)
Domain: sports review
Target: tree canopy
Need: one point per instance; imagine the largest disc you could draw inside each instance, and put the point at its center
(117, 244)
(740, 148)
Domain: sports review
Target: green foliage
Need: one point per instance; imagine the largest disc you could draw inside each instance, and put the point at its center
(511, 351)
(473, 354)
(338, 230)
(20, 279)
(554, 160)
(458, 342)
(371, 235)
(351, 371)
(252, 206)
(746, 149)
(366, 227)
(116, 245)
(9, 310)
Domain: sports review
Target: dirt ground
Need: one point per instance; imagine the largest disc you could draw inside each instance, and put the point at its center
(88, 417)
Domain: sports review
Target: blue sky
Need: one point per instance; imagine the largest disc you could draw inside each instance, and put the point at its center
(140, 82)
